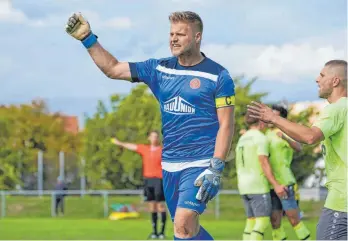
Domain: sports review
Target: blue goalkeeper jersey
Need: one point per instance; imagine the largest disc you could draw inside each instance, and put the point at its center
(189, 98)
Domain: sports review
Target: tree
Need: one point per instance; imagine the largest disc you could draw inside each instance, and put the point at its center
(26, 129)
(130, 119)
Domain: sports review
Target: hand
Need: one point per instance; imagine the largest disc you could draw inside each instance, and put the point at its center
(78, 27)
(209, 181)
(261, 112)
(280, 134)
(281, 191)
(115, 141)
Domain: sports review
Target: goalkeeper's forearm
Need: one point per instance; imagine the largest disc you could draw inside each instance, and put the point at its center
(104, 60)
(223, 141)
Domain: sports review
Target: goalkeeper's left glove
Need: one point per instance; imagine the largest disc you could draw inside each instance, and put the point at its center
(209, 180)
(79, 28)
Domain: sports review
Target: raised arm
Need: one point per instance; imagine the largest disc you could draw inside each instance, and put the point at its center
(108, 64)
(129, 146)
(80, 29)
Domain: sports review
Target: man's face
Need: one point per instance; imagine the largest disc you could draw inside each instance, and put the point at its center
(182, 38)
(153, 138)
(325, 82)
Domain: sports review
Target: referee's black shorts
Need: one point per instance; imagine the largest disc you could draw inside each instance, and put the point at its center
(153, 189)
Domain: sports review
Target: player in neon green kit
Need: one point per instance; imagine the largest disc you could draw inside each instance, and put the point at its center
(331, 129)
(281, 153)
(253, 174)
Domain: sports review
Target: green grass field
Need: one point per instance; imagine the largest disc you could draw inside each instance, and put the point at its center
(29, 218)
(94, 229)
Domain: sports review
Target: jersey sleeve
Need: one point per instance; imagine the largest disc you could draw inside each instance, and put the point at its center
(329, 121)
(140, 149)
(145, 72)
(224, 95)
(262, 146)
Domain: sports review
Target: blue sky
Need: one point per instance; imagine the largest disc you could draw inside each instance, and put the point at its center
(284, 43)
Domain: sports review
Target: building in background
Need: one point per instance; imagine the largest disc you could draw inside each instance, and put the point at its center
(71, 124)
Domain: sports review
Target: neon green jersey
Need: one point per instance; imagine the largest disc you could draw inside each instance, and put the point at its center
(251, 178)
(333, 124)
(280, 158)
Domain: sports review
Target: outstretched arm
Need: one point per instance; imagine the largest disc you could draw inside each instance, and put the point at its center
(129, 146)
(80, 29)
(296, 131)
(296, 146)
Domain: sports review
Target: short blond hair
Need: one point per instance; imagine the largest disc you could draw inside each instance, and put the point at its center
(187, 16)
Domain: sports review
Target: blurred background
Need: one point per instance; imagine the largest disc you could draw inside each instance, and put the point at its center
(58, 111)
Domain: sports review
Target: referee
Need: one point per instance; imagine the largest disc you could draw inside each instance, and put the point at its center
(152, 173)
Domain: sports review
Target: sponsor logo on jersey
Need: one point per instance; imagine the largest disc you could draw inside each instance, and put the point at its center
(178, 106)
(192, 203)
(195, 83)
(168, 77)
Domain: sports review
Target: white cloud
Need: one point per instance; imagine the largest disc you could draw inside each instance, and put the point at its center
(115, 23)
(290, 62)
(93, 17)
(118, 23)
(9, 14)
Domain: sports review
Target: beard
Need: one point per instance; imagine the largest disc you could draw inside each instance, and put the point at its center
(324, 94)
(183, 52)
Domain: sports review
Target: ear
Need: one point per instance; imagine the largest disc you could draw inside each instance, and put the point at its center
(336, 81)
(198, 37)
(261, 124)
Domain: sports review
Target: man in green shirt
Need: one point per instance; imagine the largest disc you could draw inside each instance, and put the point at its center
(281, 149)
(331, 129)
(253, 174)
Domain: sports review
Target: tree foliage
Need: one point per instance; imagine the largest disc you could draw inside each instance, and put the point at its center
(25, 130)
(130, 119)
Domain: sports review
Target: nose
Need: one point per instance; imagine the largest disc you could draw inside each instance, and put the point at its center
(174, 38)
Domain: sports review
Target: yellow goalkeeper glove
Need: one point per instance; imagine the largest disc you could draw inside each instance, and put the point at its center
(79, 28)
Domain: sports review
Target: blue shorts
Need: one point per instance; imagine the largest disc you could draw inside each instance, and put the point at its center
(284, 204)
(179, 190)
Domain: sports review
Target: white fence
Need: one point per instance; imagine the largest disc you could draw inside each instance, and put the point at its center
(314, 194)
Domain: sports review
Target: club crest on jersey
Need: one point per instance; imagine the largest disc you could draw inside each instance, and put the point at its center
(195, 83)
(178, 106)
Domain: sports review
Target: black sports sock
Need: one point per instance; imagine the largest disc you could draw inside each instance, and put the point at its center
(154, 222)
(163, 220)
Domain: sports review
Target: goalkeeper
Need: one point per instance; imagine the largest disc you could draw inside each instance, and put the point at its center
(196, 98)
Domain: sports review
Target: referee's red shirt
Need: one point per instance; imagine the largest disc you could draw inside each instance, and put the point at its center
(152, 158)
